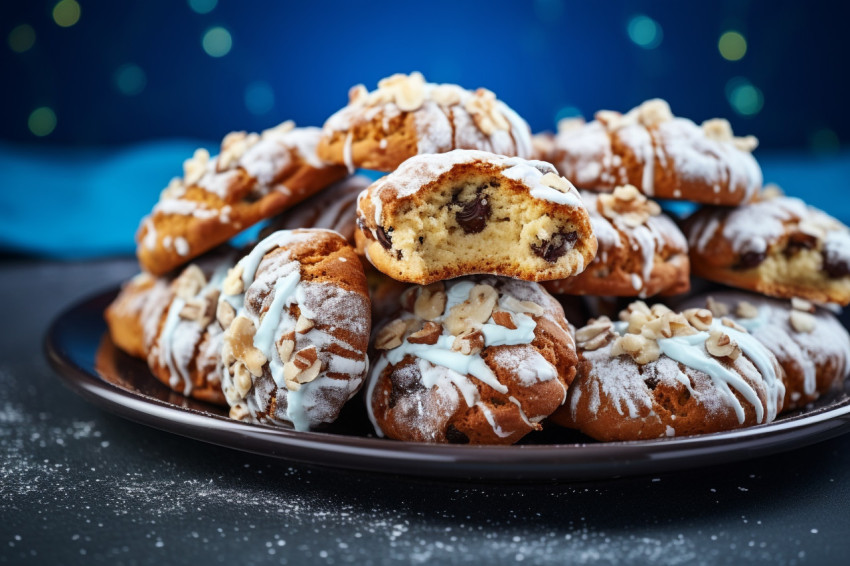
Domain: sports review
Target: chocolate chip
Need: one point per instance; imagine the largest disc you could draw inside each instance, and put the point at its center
(835, 266)
(385, 238)
(799, 241)
(454, 436)
(551, 250)
(403, 383)
(362, 225)
(421, 240)
(651, 382)
(474, 214)
(750, 260)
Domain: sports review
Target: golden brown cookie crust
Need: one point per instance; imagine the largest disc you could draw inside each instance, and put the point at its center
(255, 177)
(465, 212)
(779, 247)
(663, 156)
(641, 251)
(509, 389)
(406, 116)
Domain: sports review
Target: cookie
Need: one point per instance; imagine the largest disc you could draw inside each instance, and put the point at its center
(660, 373)
(168, 321)
(334, 208)
(406, 116)
(478, 360)
(255, 177)
(777, 246)
(465, 212)
(662, 155)
(296, 309)
(641, 251)
(810, 343)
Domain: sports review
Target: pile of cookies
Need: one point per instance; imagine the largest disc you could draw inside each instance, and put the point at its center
(440, 289)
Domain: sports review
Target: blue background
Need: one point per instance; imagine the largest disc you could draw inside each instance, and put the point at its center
(134, 91)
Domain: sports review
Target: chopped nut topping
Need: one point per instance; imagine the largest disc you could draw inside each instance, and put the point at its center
(233, 147)
(469, 343)
(720, 345)
(390, 336)
(628, 205)
(446, 95)
(239, 340)
(193, 310)
(286, 346)
(728, 322)
(659, 309)
(801, 321)
(717, 308)
(239, 412)
(719, 129)
(279, 130)
(639, 306)
(357, 92)
(190, 282)
(430, 302)
(504, 318)
(637, 320)
(408, 298)
(224, 313)
(522, 306)
(700, 319)
(407, 91)
(679, 325)
(233, 284)
(770, 192)
(194, 168)
(485, 112)
(555, 181)
(303, 325)
(802, 305)
(641, 349)
(474, 311)
(570, 124)
(596, 334)
(301, 369)
(241, 379)
(428, 334)
(746, 310)
(654, 112)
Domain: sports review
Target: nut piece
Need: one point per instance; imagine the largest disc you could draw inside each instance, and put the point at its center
(638, 306)
(279, 130)
(224, 313)
(504, 318)
(238, 412)
(194, 168)
(679, 325)
(518, 306)
(802, 322)
(428, 334)
(485, 112)
(596, 334)
(654, 112)
(390, 336)
(303, 368)
(555, 181)
(190, 282)
(720, 345)
(728, 322)
(641, 349)
(470, 343)
(700, 319)
(628, 205)
(802, 305)
(407, 91)
(286, 346)
(747, 310)
(239, 343)
(241, 379)
(474, 311)
(303, 325)
(193, 310)
(233, 284)
(430, 302)
(717, 308)
(718, 129)
(233, 147)
(446, 95)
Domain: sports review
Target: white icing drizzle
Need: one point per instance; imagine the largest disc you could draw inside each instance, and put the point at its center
(439, 366)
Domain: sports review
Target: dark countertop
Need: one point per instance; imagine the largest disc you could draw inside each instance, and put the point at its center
(78, 485)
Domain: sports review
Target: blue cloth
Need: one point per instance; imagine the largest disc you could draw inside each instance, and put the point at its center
(79, 203)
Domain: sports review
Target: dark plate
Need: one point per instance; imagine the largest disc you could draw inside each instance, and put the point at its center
(80, 350)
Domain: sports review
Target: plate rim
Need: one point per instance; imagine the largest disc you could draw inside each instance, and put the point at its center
(569, 462)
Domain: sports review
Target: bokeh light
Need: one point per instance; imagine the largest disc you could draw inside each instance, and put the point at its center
(66, 13)
(202, 6)
(824, 142)
(732, 46)
(21, 38)
(42, 121)
(744, 97)
(645, 32)
(130, 79)
(217, 42)
(259, 97)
